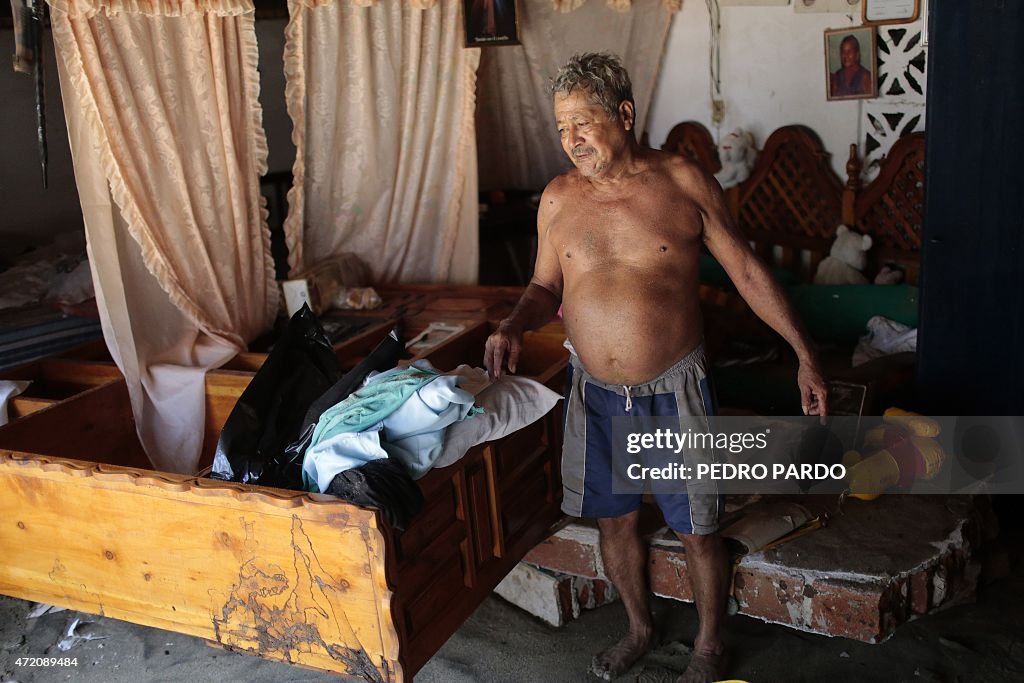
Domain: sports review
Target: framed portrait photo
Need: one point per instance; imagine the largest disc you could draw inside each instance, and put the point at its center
(851, 65)
(491, 22)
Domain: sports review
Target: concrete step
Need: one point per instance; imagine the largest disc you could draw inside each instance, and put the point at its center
(553, 597)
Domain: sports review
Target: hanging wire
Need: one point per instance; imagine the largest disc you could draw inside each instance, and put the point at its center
(714, 47)
(37, 15)
(714, 59)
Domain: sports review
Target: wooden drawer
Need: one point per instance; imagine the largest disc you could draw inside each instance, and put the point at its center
(290, 576)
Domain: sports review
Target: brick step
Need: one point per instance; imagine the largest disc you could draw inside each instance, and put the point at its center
(876, 566)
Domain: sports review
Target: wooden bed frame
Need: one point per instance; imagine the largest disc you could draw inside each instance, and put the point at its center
(793, 201)
(290, 576)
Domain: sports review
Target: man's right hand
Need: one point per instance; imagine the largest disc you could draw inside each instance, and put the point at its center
(502, 349)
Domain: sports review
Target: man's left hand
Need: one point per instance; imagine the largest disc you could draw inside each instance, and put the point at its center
(813, 389)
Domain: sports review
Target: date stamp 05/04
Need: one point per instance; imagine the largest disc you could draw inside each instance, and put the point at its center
(46, 661)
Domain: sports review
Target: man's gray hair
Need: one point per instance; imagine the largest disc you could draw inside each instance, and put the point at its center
(601, 75)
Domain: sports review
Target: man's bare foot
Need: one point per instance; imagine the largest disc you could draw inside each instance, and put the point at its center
(617, 659)
(706, 666)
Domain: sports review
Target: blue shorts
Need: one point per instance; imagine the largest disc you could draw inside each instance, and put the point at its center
(590, 405)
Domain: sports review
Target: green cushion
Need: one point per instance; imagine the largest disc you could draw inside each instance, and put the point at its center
(831, 312)
(712, 273)
(840, 313)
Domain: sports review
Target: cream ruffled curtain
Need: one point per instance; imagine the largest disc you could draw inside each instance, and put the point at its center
(381, 95)
(517, 142)
(168, 146)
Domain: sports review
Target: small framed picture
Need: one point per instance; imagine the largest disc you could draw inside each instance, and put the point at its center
(850, 63)
(491, 22)
(891, 11)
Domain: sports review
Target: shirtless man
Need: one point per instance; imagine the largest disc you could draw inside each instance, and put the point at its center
(618, 244)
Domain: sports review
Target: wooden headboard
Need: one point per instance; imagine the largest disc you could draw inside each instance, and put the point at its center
(792, 203)
(891, 207)
(693, 141)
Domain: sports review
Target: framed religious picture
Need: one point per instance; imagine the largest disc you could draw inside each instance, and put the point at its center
(850, 63)
(891, 11)
(491, 22)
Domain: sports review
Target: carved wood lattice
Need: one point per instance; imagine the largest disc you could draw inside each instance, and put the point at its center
(891, 208)
(793, 190)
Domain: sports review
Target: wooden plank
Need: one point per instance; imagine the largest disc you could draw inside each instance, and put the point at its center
(78, 372)
(20, 406)
(544, 356)
(464, 347)
(283, 575)
(59, 378)
(246, 362)
(223, 387)
(494, 497)
(483, 528)
(435, 291)
(95, 425)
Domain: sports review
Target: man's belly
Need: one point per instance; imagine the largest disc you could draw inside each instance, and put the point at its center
(629, 327)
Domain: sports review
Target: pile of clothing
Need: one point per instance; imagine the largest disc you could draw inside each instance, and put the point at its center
(367, 434)
(401, 413)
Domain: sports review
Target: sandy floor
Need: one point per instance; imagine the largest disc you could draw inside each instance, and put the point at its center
(982, 642)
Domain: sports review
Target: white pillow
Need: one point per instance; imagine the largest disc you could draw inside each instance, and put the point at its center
(509, 404)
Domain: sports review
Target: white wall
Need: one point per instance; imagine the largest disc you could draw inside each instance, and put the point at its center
(772, 75)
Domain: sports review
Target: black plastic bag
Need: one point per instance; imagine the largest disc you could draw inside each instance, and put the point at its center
(270, 412)
(383, 357)
(384, 484)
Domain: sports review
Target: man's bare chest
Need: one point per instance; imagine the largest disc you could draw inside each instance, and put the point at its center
(630, 228)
